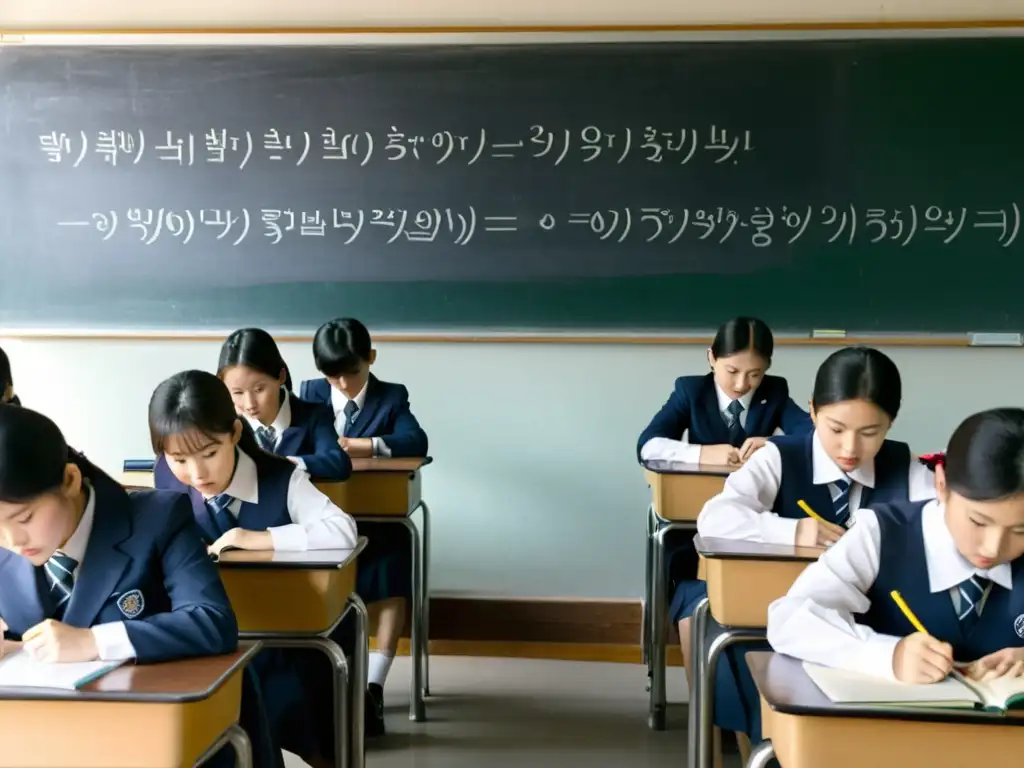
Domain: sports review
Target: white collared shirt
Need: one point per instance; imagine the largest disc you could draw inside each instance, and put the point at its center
(816, 621)
(111, 638)
(316, 522)
(682, 450)
(281, 422)
(743, 509)
(338, 402)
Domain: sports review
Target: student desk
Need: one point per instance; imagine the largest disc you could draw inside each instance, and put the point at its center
(743, 579)
(678, 493)
(805, 729)
(389, 491)
(171, 715)
(295, 600)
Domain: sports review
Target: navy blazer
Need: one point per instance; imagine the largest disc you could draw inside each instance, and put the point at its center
(146, 546)
(385, 414)
(693, 406)
(312, 438)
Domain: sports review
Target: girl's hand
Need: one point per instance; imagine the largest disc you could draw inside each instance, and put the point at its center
(920, 658)
(55, 641)
(1008, 662)
(811, 533)
(239, 538)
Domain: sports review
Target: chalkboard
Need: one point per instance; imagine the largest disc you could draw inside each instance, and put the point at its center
(869, 185)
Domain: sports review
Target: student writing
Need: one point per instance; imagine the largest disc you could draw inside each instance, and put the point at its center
(846, 463)
(90, 572)
(958, 562)
(260, 385)
(373, 418)
(243, 497)
(724, 416)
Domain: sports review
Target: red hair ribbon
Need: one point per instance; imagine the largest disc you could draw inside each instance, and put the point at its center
(933, 460)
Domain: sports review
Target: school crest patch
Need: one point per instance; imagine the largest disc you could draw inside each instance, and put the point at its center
(131, 603)
(1018, 626)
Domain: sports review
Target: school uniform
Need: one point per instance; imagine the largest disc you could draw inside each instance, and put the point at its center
(380, 411)
(699, 413)
(279, 498)
(758, 503)
(136, 572)
(305, 432)
(839, 611)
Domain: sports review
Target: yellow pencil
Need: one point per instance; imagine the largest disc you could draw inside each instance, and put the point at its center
(810, 512)
(898, 599)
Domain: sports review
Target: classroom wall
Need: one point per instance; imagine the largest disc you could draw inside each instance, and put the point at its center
(125, 13)
(535, 489)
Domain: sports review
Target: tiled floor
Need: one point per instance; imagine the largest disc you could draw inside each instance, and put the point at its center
(501, 713)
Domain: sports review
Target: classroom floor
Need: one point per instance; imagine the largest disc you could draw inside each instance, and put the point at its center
(506, 713)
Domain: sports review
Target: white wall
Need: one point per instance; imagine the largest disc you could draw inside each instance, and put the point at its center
(535, 488)
(238, 13)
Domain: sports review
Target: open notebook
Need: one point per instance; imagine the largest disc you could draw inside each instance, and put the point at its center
(19, 670)
(955, 692)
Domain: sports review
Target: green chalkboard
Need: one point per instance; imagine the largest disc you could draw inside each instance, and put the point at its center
(869, 185)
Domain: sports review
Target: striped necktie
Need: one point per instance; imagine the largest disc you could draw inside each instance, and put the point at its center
(60, 570)
(267, 437)
(736, 433)
(972, 592)
(222, 517)
(351, 409)
(841, 503)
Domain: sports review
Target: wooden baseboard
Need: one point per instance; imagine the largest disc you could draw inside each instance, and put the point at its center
(539, 628)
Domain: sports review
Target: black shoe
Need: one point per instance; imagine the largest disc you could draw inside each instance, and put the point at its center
(374, 716)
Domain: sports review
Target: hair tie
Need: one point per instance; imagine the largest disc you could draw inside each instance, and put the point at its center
(933, 460)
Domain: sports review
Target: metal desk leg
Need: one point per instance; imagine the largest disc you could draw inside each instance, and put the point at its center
(425, 587)
(698, 631)
(645, 621)
(705, 732)
(417, 710)
(239, 741)
(656, 714)
(761, 755)
(357, 687)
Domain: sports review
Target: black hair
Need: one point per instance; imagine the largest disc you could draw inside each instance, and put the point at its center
(253, 348)
(197, 401)
(6, 377)
(33, 455)
(859, 373)
(743, 334)
(985, 457)
(340, 347)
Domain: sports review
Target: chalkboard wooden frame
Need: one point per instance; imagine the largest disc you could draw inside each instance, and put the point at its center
(470, 337)
(499, 35)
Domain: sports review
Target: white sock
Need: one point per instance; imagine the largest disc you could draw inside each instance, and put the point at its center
(380, 665)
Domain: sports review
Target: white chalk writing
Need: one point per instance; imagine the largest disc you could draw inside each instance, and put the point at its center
(761, 226)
